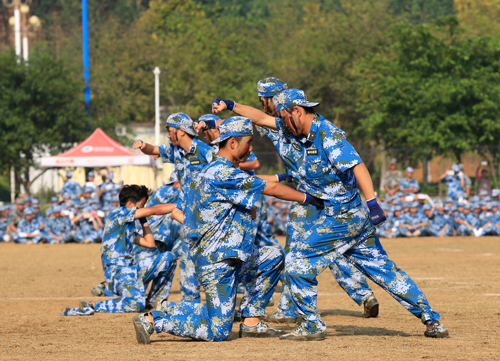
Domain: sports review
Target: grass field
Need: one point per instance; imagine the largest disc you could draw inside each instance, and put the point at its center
(460, 277)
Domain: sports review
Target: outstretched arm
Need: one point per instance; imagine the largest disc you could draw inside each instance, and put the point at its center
(157, 210)
(146, 148)
(258, 117)
(284, 192)
(364, 180)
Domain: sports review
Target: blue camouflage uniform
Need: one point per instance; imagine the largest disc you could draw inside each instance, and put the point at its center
(59, 226)
(321, 163)
(407, 184)
(72, 188)
(25, 227)
(352, 281)
(220, 233)
(110, 189)
(186, 165)
(453, 186)
(4, 222)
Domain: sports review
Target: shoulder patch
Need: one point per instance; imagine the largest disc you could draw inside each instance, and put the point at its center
(195, 162)
(312, 152)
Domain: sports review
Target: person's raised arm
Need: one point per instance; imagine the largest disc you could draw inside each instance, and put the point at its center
(178, 215)
(258, 117)
(145, 147)
(253, 164)
(274, 178)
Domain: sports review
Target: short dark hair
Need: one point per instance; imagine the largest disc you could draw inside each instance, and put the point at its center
(224, 142)
(308, 110)
(134, 193)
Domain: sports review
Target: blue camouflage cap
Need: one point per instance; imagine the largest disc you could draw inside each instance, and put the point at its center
(483, 192)
(410, 169)
(406, 205)
(426, 207)
(494, 204)
(476, 206)
(91, 174)
(487, 199)
(475, 199)
(181, 121)
(489, 206)
(291, 97)
(495, 192)
(449, 200)
(111, 175)
(69, 174)
(455, 168)
(415, 205)
(269, 87)
(87, 190)
(66, 195)
(28, 200)
(3, 208)
(466, 206)
(234, 127)
(397, 207)
(447, 208)
(35, 202)
(54, 199)
(20, 200)
(57, 208)
(28, 211)
(207, 117)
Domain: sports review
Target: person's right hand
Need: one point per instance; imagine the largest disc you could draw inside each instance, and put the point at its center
(218, 105)
(199, 126)
(138, 144)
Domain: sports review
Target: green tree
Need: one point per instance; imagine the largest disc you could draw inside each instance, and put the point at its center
(40, 111)
(434, 89)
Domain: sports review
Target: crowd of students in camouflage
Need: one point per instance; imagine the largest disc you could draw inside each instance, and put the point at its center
(78, 214)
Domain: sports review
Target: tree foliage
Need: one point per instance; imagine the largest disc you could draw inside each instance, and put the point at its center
(40, 111)
(433, 90)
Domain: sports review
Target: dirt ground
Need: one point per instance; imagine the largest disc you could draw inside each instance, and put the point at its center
(460, 277)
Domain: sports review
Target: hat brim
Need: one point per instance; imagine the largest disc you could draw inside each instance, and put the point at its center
(304, 103)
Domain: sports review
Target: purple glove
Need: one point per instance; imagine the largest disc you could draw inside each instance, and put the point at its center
(318, 203)
(283, 177)
(377, 215)
(229, 103)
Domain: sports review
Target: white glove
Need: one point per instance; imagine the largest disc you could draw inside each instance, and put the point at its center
(450, 172)
(36, 233)
(109, 187)
(22, 234)
(6, 238)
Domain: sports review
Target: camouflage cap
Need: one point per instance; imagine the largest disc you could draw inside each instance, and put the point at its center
(28, 211)
(234, 127)
(290, 98)
(181, 121)
(206, 117)
(54, 199)
(269, 87)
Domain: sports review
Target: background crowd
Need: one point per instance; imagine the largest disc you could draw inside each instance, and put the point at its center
(79, 212)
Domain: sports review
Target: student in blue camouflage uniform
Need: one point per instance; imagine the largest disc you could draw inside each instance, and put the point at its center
(57, 229)
(409, 185)
(263, 234)
(219, 229)
(72, 188)
(413, 224)
(189, 155)
(120, 267)
(85, 226)
(28, 230)
(4, 224)
(352, 281)
(330, 169)
(107, 189)
(54, 201)
(455, 183)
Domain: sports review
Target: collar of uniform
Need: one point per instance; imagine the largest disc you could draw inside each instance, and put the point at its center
(313, 131)
(193, 147)
(224, 160)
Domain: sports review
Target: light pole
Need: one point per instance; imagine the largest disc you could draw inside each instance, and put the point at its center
(157, 73)
(86, 60)
(17, 4)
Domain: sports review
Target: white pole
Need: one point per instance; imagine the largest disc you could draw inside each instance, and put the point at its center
(12, 185)
(157, 73)
(17, 31)
(25, 49)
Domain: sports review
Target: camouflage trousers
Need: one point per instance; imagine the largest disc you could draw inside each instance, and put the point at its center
(159, 270)
(24, 240)
(130, 282)
(213, 320)
(349, 278)
(347, 238)
(190, 286)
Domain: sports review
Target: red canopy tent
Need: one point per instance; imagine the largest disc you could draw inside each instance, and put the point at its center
(98, 150)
